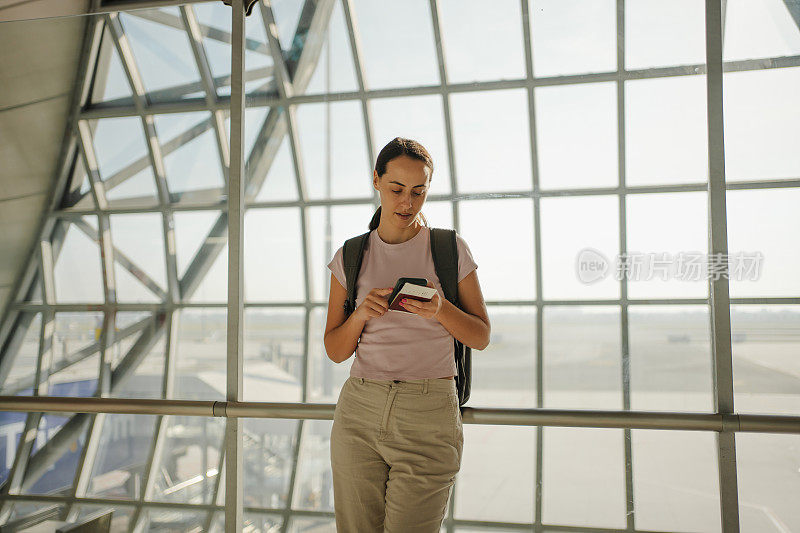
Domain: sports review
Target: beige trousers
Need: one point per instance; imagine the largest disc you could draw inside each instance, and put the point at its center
(396, 448)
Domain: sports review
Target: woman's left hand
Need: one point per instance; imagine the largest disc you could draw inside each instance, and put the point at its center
(425, 309)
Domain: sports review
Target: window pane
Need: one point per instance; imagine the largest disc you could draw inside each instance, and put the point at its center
(479, 43)
(582, 357)
(504, 374)
(163, 55)
(276, 172)
(670, 358)
(334, 72)
(122, 158)
(140, 239)
(200, 371)
(313, 488)
(666, 131)
(122, 455)
(60, 476)
(765, 222)
(762, 124)
(583, 477)
(576, 132)
(416, 117)
(329, 227)
(650, 30)
(191, 152)
(661, 245)
(268, 456)
(675, 480)
(110, 83)
(23, 369)
(577, 234)
(345, 171)
(573, 37)
(78, 272)
(273, 255)
(759, 29)
(190, 460)
(387, 64)
(766, 471)
(325, 378)
(491, 140)
(766, 365)
(506, 271)
(503, 458)
(273, 355)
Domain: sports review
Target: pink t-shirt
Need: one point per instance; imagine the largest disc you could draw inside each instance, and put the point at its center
(401, 345)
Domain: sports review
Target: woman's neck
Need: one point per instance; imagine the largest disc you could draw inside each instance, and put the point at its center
(393, 235)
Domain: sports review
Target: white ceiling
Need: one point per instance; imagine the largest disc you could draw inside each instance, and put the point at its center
(38, 63)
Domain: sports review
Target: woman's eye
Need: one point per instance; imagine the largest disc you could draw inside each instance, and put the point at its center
(396, 192)
(417, 194)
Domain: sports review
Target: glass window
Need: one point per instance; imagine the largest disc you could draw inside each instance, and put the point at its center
(269, 461)
(110, 82)
(190, 460)
(580, 244)
(576, 134)
(77, 270)
(200, 369)
(761, 125)
(505, 267)
(313, 487)
(274, 355)
(583, 477)
(670, 358)
(62, 461)
(491, 140)
(666, 134)
(766, 476)
(763, 250)
(651, 28)
(191, 152)
(759, 29)
(335, 71)
(667, 236)
(345, 170)
(139, 264)
(504, 373)
(400, 54)
(22, 373)
(273, 255)
(122, 456)
(675, 480)
(163, 55)
(503, 458)
(479, 43)
(766, 366)
(582, 357)
(279, 181)
(415, 117)
(573, 37)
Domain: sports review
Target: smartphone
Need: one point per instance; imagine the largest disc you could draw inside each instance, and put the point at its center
(402, 281)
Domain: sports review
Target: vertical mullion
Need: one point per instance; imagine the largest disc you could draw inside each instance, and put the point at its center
(537, 247)
(623, 246)
(719, 293)
(233, 427)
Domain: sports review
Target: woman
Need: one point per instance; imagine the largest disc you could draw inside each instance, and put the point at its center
(397, 437)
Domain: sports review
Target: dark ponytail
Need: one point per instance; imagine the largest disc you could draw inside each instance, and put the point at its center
(395, 148)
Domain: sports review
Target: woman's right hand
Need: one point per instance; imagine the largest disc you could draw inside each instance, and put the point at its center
(375, 304)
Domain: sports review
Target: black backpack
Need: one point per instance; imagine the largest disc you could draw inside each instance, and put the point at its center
(445, 259)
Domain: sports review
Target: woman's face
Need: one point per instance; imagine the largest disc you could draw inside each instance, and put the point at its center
(403, 189)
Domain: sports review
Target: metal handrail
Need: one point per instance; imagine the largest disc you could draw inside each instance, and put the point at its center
(470, 415)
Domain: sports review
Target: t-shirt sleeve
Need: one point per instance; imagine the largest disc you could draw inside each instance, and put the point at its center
(337, 267)
(466, 263)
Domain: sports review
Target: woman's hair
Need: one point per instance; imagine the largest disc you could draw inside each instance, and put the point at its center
(395, 148)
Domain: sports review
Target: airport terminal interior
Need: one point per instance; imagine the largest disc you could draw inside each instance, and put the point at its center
(601, 158)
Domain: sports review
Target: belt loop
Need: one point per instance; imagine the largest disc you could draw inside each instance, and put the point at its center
(425, 386)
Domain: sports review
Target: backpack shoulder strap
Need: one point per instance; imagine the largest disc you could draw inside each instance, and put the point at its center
(353, 253)
(445, 260)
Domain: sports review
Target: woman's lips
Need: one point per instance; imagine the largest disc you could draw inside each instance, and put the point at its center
(404, 217)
